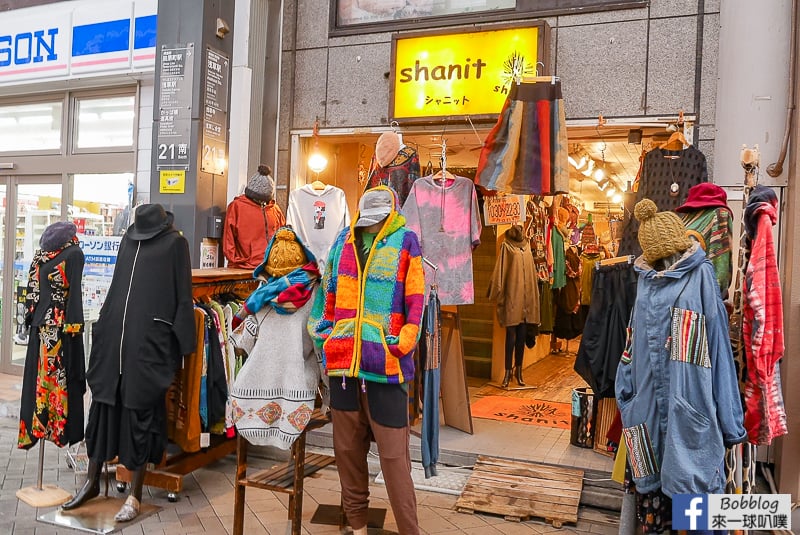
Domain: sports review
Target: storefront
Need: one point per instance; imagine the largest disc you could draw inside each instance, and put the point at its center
(628, 77)
(75, 109)
(445, 89)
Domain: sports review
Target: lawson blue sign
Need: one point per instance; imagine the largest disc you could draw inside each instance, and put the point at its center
(28, 47)
(58, 50)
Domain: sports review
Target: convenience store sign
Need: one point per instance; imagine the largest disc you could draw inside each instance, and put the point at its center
(460, 74)
(64, 40)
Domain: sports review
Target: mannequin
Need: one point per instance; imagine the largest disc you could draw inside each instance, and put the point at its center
(676, 386)
(286, 375)
(708, 218)
(515, 289)
(373, 282)
(54, 364)
(146, 324)
(251, 220)
(395, 165)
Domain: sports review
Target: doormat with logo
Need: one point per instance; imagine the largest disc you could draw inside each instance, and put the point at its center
(523, 411)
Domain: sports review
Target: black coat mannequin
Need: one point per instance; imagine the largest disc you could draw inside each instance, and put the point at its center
(146, 324)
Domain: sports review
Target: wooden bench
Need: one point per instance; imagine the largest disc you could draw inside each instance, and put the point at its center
(287, 477)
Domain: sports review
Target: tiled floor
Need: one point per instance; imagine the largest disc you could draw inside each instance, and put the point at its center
(206, 502)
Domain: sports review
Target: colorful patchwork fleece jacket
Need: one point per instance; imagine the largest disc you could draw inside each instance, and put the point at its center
(366, 320)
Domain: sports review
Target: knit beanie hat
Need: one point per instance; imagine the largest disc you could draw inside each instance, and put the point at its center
(286, 254)
(57, 235)
(588, 236)
(661, 234)
(261, 186)
(386, 148)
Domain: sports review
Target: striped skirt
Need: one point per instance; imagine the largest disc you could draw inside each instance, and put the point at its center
(526, 151)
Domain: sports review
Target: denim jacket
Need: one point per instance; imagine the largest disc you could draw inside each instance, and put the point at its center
(676, 386)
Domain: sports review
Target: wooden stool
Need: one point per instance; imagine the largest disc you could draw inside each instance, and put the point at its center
(286, 477)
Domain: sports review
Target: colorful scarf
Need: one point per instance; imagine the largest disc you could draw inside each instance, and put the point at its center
(55, 314)
(285, 294)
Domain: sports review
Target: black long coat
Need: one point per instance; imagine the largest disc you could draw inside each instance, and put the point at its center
(146, 323)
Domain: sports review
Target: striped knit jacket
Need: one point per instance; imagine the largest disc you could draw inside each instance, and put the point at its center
(366, 320)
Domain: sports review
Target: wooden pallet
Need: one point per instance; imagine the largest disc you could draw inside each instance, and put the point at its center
(519, 490)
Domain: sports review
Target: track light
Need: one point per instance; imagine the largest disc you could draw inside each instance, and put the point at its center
(599, 174)
(588, 171)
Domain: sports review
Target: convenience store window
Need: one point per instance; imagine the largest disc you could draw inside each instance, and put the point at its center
(28, 127)
(104, 121)
(101, 203)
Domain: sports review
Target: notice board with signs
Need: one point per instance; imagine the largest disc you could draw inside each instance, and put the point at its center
(215, 112)
(174, 112)
(438, 74)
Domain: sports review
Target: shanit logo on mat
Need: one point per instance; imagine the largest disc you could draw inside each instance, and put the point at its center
(523, 411)
(732, 511)
(539, 410)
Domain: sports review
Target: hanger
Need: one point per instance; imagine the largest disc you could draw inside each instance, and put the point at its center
(537, 78)
(443, 174)
(614, 261)
(318, 185)
(671, 143)
(677, 135)
(434, 267)
(395, 125)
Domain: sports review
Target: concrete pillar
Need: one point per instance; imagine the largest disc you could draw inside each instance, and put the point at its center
(752, 86)
(194, 46)
(788, 461)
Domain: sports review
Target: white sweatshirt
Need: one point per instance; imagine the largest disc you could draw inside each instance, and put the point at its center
(317, 216)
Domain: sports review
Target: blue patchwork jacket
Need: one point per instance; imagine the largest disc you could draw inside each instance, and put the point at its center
(676, 384)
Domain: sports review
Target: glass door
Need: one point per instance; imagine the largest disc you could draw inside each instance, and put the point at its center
(30, 205)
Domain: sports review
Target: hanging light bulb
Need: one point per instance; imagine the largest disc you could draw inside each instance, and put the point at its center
(611, 191)
(617, 198)
(317, 162)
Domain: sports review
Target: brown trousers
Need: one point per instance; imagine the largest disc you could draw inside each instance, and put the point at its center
(351, 439)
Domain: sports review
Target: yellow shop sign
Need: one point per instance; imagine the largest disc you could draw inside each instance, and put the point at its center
(461, 74)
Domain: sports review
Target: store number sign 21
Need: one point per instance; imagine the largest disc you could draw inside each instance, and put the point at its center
(504, 209)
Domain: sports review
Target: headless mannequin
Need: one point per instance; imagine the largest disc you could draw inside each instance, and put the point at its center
(663, 264)
(91, 489)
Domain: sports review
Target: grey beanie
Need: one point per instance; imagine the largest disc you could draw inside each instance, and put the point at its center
(261, 186)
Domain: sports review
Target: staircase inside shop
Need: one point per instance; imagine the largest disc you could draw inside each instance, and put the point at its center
(477, 319)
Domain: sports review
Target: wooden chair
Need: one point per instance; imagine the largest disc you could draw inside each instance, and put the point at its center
(287, 477)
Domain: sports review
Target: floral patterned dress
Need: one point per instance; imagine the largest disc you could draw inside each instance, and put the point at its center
(54, 382)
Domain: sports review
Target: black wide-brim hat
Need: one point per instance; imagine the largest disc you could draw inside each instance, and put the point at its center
(149, 220)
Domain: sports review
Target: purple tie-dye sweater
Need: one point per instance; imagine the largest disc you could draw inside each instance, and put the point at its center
(447, 222)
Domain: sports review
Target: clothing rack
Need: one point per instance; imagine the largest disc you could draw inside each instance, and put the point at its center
(169, 474)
